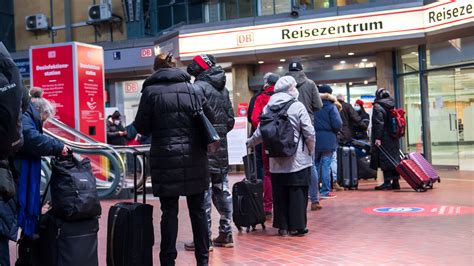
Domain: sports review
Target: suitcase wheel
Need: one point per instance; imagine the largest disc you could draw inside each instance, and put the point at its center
(263, 226)
(254, 228)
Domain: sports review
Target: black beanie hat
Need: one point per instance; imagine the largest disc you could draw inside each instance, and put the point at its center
(295, 66)
(272, 79)
(116, 115)
(325, 89)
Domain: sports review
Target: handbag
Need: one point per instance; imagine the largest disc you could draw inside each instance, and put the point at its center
(211, 137)
(7, 183)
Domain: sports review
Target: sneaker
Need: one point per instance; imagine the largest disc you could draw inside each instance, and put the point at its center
(316, 206)
(330, 195)
(283, 232)
(190, 246)
(337, 187)
(224, 240)
(299, 232)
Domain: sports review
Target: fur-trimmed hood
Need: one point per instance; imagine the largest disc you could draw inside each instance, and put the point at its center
(331, 98)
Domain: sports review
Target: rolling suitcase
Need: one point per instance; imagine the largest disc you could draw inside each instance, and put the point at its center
(247, 198)
(410, 171)
(347, 175)
(363, 169)
(130, 234)
(426, 167)
(63, 243)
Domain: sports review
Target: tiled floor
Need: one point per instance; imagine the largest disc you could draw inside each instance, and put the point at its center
(342, 233)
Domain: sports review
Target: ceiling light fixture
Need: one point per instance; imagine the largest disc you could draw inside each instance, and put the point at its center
(261, 62)
(283, 60)
(342, 62)
(366, 82)
(280, 67)
(350, 83)
(351, 53)
(364, 60)
(327, 56)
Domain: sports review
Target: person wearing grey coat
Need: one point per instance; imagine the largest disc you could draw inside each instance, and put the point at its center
(290, 175)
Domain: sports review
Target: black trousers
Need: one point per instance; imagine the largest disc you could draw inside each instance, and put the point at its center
(289, 207)
(169, 229)
(4, 251)
(390, 175)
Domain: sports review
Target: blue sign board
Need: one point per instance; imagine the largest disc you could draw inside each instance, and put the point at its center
(24, 67)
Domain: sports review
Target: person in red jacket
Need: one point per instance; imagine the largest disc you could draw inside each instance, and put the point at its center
(270, 79)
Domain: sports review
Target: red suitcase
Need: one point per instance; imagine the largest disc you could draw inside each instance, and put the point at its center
(411, 172)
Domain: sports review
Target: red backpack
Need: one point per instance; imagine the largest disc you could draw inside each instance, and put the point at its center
(397, 123)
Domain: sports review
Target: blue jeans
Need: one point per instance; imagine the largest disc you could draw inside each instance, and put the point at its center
(323, 164)
(314, 185)
(222, 199)
(259, 159)
(4, 251)
(334, 166)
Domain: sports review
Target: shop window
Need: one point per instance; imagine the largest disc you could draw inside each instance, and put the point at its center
(318, 4)
(246, 8)
(230, 9)
(179, 14)
(455, 51)
(195, 12)
(164, 18)
(282, 6)
(410, 89)
(351, 2)
(305, 4)
(266, 7)
(408, 60)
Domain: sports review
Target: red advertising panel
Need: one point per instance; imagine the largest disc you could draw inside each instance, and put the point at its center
(53, 70)
(90, 86)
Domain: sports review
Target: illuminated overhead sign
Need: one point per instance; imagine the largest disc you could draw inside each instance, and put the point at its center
(379, 24)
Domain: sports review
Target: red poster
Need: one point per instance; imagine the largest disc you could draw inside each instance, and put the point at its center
(90, 86)
(53, 70)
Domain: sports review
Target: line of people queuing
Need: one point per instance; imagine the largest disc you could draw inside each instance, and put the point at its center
(181, 164)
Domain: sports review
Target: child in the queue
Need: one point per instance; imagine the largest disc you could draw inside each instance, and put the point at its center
(290, 175)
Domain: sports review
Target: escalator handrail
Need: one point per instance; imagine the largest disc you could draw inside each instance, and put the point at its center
(71, 130)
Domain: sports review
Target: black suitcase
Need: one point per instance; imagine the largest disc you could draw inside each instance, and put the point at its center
(247, 198)
(63, 243)
(363, 169)
(130, 234)
(347, 175)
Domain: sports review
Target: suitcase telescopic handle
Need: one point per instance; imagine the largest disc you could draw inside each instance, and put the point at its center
(135, 182)
(389, 157)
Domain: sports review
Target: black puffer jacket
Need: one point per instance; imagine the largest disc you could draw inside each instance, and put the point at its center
(113, 135)
(212, 83)
(350, 121)
(309, 93)
(381, 130)
(178, 155)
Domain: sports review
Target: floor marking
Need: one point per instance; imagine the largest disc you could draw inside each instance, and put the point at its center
(458, 210)
(451, 210)
(457, 179)
(442, 209)
(434, 210)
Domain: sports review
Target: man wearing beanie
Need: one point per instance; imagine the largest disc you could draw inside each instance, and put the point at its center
(327, 124)
(260, 103)
(290, 175)
(211, 80)
(309, 94)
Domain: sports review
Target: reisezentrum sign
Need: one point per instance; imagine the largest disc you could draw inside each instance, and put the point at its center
(397, 22)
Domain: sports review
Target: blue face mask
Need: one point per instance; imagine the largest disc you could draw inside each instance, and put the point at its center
(357, 108)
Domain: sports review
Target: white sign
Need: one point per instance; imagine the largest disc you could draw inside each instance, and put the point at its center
(236, 139)
(332, 29)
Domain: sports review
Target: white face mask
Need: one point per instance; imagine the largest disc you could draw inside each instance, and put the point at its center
(357, 108)
(117, 122)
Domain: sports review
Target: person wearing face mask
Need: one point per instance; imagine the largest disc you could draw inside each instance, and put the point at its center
(290, 175)
(360, 132)
(116, 133)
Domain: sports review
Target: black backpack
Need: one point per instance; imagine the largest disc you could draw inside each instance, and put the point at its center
(73, 189)
(278, 132)
(11, 93)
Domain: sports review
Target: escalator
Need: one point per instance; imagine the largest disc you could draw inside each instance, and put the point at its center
(113, 166)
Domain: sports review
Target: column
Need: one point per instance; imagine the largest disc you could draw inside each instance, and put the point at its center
(240, 83)
(384, 61)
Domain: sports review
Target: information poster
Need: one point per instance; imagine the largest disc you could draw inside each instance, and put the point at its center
(236, 140)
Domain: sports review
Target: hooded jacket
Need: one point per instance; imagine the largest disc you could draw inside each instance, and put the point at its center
(309, 94)
(327, 123)
(381, 131)
(212, 84)
(350, 120)
(113, 135)
(260, 103)
(178, 154)
(301, 122)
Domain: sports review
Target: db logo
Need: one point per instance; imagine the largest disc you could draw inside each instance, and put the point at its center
(146, 52)
(51, 54)
(244, 39)
(131, 87)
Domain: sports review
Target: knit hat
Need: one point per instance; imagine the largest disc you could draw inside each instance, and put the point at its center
(382, 93)
(201, 63)
(295, 66)
(325, 89)
(285, 84)
(116, 115)
(272, 79)
(360, 102)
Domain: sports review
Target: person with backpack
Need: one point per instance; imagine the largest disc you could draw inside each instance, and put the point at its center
(260, 103)
(327, 123)
(178, 153)
(381, 136)
(13, 101)
(210, 79)
(288, 134)
(360, 132)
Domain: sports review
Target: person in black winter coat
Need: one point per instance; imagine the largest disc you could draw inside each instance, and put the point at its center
(178, 154)
(360, 132)
(350, 120)
(116, 132)
(211, 80)
(381, 138)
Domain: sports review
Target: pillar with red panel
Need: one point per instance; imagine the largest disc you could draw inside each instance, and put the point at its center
(72, 78)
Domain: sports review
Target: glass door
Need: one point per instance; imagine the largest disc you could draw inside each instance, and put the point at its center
(444, 127)
(464, 90)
